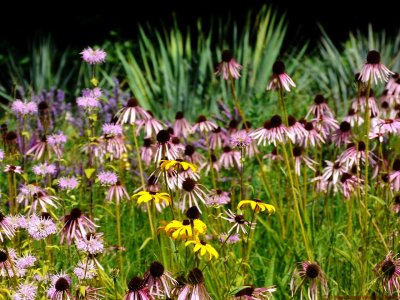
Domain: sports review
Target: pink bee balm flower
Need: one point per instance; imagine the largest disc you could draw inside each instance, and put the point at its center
(228, 67)
(93, 57)
(67, 183)
(373, 69)
(26, 291)
(107, 178)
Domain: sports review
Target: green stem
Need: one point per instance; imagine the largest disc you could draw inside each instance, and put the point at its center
(118, 217)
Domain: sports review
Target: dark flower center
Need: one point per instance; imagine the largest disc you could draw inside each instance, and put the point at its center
(189, 150)
(319, 99)
(357, 78)
(1, 217)
(336, 165)
(274, 151)
(351, 112)
(312, 271)
(75, 213)
(201, 118)
(132, 102)
(217, 130)
(203, 242)
(175, 140)
(213, 158)
(297, 151)
(218, 191)
(345, 126)
(361, 146)
(291, 121)
(193, 213)
(397, 199)
(246, 125)
(385, 177)
(62, 284)
(196, 276)
(179, 115)
(152, 180)
(11, 135)
(276, 121)
(227, 55)
(345, 177)
(278, 68)
(248, 291)
(185, 222)
(45, 216)
(385, 105)
(147, 143)
(156, 269)
(3, 256)
(373, 57)
(43, 105)
(135, 284)
(388, 268)
(239, 219)
(43, 139)
(188, 185)
(233, 124)
(388, 121)
(163, 136)
(309, 126)
(267, 125)
(397, 80)
(227, 149)
(396, 165)
(170, 130)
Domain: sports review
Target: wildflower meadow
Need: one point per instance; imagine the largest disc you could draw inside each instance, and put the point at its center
(207, 165)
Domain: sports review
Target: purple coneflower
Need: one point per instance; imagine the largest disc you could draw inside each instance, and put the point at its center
(311, 274)
(299, 159)
(147, 151)
(194, 289)
(27, 193)
(230, 158)
(373, 70)
(387, 126)
(76, 225)
(6, 227)
(13, 169)
(319, 108)
(218, 137)
(210, 163)
(26, 291)
(165, 148)
(313, 137)
(159, 280)
(228, 67)
(11, 142)
(218, 197)
(355, 153)
(60, 287)
(342, 135)
(39, 149)
(295, 130)
(279, 78)
(151, 126)
(239, 222)
(252, 293)
(333, 171)
(41, 200)
(203, 125)
(388, 270)
(396, 205)
(192, 192)
(182, 127)
(353, 118)
(131, 113)
(137, 290)
(273, 155)
(349, 184)
(117, 192)
(93, 56)
(361, 103)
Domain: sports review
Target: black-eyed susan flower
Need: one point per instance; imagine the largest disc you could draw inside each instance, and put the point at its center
(158, 198)
(203, 248)
(184, 230)
(257, 205)
(177, 164)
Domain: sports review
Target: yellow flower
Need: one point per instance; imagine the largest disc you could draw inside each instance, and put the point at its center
(183, 229)
(166, 164)
(144, 197)
(203, 248)
(257, 205)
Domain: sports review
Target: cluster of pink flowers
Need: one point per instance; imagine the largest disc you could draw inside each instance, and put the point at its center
(22, 108)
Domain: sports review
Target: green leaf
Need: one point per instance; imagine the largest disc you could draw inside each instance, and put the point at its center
(89, 172)
(146, 241)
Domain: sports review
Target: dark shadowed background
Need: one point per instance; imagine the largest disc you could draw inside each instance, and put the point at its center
(84, 23)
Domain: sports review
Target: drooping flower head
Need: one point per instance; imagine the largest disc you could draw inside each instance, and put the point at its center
(159, 280)
(252, 293)
(373, 69)
(137, 290)
(60, 287)
(388, 270)
(228, 67)
(279, 78)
